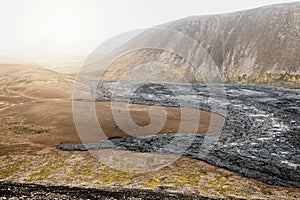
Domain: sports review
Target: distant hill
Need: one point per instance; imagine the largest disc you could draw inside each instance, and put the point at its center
(259, 46)
(33, 81)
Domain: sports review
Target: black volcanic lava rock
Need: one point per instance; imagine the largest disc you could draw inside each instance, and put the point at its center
(39, 192)
(260, 139)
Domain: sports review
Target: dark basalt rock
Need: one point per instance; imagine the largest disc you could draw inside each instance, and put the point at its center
(36, 192)
(261, 139)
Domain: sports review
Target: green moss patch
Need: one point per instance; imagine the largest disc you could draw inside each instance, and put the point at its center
(26, 129)
(276, 79)
(3, 104)
(51, 167)
(9, 170)
(176, 180)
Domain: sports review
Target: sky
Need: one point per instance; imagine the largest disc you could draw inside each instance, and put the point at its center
(32, 27)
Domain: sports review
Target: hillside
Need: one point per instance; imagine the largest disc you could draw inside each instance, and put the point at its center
(33, 81)
(254, 46)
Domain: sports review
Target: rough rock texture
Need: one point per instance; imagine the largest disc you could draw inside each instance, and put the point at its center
(260, 140)
(30, 191)
(254, 46)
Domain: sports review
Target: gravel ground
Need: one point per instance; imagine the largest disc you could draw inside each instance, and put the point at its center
(260, 140)
(15, 191)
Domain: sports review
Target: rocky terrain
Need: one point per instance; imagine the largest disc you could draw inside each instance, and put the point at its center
(36, 192)
(254, 156)
(33, 123)
(260, 139)
(257, 46)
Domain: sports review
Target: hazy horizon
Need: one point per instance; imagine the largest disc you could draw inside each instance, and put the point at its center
(39, 28)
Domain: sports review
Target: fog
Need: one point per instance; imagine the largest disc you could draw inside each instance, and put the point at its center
(34, 28)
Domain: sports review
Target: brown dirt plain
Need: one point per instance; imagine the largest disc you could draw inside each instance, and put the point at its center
(36, 115)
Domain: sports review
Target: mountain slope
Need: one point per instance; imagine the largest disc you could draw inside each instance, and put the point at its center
(254, 46)
(249, 43)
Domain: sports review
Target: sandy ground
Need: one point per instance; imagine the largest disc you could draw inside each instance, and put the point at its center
(59, 120)
(36, 115)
